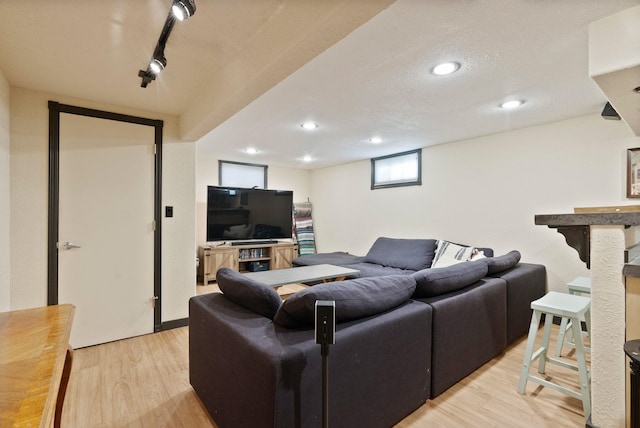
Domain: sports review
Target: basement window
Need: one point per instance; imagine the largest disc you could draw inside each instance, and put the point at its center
(400, 169)
(238, 174)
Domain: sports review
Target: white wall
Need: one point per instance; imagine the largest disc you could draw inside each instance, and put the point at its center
(29, 190)
(485, 192)
(178, 237)
(279, 178)
(29, 168)
(5, 266)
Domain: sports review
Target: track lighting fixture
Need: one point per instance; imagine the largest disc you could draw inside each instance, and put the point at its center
(183, 9)
(180, 10)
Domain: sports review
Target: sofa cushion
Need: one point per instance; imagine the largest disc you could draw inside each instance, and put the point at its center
(412, 254)
(356, 298)
(436, 281)
(468, 330)
(372, 269)
(502, 263)
(448, 253)
(260, 298)
(337, 258)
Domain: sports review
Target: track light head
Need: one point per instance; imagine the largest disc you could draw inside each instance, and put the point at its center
(183, 9)
(157, 64)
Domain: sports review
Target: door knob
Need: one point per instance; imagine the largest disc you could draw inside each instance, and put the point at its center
(68, 245)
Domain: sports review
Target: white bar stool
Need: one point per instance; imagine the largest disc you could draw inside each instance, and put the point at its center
(579, 286)
(568, 306)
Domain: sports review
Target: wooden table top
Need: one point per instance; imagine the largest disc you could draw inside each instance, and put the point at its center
(278, 277)
(33, 347)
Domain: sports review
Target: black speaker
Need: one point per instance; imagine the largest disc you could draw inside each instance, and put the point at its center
(325, 322)
(608, 112)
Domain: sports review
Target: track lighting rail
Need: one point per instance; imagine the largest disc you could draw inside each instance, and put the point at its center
(180, 10)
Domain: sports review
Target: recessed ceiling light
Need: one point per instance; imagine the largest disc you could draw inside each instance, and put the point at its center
(511, 104)
(307, 158)
(445, 68)
(309, 125)
(375, 140)
(251, 150)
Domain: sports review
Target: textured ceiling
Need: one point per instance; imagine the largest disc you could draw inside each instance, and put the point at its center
(222, 58)
(376, 81)
(250, 71)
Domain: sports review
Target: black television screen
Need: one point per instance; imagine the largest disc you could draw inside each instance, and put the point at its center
(248, 214)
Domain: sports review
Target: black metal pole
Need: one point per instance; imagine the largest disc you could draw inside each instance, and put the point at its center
(325, 332)
(325, 385)
(632, 349)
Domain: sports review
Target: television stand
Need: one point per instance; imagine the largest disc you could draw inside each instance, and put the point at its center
(263, 242)
(278, 255)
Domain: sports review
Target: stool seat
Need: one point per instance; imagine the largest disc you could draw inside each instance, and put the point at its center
(578, 286)
(581, 284)
(561, 304)
(574, 308)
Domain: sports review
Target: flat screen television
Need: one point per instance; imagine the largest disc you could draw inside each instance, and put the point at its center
(237, 214)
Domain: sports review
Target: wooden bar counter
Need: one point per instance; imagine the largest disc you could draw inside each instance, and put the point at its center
(35, 361)
(598, 234)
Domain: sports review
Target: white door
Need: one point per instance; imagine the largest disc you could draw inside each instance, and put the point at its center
(106, 238)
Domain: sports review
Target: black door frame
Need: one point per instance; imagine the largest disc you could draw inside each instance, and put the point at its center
(55, 109)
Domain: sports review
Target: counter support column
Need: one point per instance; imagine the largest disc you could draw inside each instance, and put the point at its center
(608, 365)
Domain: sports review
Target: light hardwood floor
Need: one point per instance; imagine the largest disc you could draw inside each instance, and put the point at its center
(144, 382)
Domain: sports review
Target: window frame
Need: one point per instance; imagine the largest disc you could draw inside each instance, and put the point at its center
(253, 165)
(416, 182)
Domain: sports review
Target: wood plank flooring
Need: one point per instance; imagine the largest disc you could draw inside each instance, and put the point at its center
(144, 382)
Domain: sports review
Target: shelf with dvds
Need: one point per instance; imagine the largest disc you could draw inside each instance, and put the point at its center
(271, 256)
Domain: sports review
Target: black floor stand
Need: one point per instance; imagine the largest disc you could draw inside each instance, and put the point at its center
(325, 384)
(632, 349)
(325, 326)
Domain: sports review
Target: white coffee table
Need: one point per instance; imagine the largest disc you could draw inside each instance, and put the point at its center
(296, 275)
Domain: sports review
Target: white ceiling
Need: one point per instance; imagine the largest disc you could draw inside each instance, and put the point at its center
(251, 71)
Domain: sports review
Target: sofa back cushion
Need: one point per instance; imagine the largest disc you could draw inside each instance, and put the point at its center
(260, 298)
(356, 298)
(503, 262)
(412, 254)
(436, 281)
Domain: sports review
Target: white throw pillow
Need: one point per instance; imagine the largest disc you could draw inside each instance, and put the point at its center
(477, 255)
(448, 254)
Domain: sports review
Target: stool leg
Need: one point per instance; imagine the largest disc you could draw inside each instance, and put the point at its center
(585, 389)
(587, 322)
(542, 363)
(563, 329)
(569, 335)
(533, 332)
(587, 314)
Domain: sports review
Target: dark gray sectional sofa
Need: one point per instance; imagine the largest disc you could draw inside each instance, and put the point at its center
(400, 339)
